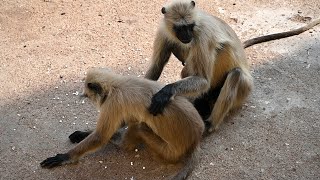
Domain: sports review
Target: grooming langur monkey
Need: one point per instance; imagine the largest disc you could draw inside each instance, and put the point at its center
(174, 136)
(216, 74)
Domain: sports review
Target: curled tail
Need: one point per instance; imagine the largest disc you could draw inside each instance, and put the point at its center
(281, 35)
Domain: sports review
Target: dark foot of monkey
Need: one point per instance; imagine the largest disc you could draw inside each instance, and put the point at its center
(160, 100)
(57, 160)
(211, 127)
(117, 136)
(208, 128)
(78, 136)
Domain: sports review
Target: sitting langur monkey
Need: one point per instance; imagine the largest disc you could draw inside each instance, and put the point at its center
(216, 74)
(124, 98)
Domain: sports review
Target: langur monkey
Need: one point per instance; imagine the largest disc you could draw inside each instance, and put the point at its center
(174, 136)
(216, 74)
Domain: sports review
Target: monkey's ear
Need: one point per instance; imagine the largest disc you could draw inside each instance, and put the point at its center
(96, 88)
(163, 10)
(193, 4)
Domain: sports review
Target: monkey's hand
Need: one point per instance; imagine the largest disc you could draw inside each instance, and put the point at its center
(161, 99)
(78, 136)
(57, 160)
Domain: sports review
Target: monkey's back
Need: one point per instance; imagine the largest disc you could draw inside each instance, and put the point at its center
(180, 124)
(230, 53)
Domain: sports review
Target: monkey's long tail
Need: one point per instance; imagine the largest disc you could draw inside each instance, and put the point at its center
(281, 35)
(189, 164)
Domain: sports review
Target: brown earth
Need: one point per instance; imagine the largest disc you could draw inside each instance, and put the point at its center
(47, 46)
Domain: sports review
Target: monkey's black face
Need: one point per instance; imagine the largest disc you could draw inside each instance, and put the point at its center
(184, 32)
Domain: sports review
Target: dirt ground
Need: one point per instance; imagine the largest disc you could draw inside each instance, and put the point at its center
(46, 46)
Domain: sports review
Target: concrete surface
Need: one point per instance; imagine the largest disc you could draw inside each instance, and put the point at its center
(46, 47)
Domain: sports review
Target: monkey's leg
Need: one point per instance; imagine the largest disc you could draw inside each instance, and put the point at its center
(158, 146)
(235, 90)
(78, 136)
(170, 154)
(131, 138)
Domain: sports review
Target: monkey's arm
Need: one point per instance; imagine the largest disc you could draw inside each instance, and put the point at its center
(190, 86)
(160, 57)
(106, 127)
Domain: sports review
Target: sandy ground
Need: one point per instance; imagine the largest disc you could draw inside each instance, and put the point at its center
(46, 46)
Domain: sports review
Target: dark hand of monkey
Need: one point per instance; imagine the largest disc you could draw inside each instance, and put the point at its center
(55, 161)
(160, 100)
(78, 136)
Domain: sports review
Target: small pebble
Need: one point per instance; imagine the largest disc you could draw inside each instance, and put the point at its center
(221, 10)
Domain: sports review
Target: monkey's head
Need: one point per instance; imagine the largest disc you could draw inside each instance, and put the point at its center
(179, 19)
(97, 85)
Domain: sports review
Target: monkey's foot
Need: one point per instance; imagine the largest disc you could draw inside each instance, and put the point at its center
(209, 128)
(78, 136)
(118, 135)
(57, 160)
(116, 138)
